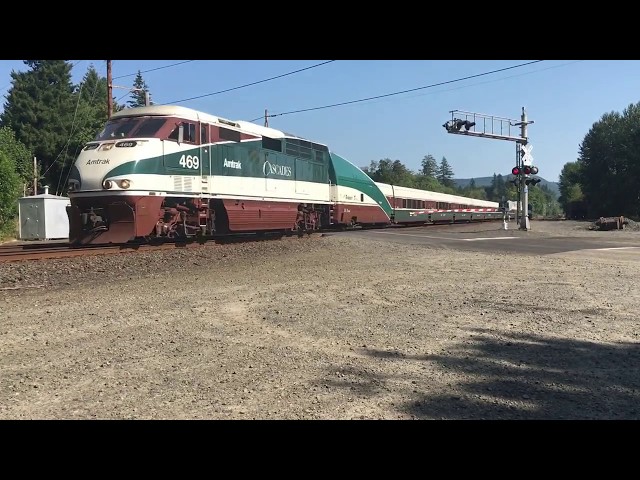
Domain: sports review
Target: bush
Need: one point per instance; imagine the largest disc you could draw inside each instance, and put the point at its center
(10, 184)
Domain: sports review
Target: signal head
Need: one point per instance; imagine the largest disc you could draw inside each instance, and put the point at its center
(527, 170)
(534, 170)
(516, 171)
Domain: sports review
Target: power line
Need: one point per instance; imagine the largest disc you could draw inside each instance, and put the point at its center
(252, 83)
(153, 69)
(398, 93)
(486, 81)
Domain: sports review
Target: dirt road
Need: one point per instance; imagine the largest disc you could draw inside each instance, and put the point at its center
(321, 328)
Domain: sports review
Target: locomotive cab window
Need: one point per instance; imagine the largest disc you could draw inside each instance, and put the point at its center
(148, 127)
(118, 128)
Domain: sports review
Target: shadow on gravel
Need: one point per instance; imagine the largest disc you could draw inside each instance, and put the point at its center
(530, 377)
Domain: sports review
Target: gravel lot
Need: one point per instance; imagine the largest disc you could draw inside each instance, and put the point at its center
(326, 327)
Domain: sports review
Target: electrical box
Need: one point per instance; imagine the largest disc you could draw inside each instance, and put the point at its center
(43, 217)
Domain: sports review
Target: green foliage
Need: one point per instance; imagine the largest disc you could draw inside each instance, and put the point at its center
(429, 166)
(40, 109)
(391, 172)
(138, 97)
(445, 173)
(608, 170)
(52, 118)
(396, 173)
(18, 153)
(10, 189)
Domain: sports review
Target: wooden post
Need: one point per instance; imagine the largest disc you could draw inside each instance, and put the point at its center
(109, 90)
(35, 176)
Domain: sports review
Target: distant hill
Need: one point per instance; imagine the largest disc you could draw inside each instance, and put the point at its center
(486, 181)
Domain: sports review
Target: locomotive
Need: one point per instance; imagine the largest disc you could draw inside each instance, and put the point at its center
(174, 172)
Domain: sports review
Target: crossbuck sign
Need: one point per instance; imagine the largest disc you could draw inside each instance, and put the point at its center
(527, 158)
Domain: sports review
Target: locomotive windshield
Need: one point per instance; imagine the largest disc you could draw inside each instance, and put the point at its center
(131, 127)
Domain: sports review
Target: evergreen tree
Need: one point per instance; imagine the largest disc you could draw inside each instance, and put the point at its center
(609, 164)
(18, 153)
(445, 173)
(429, 166)
(138, 96)
(10, 186)
(40, 110)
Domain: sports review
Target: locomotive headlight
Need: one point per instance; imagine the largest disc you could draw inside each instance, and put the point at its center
(124, 183)
(107, 184)
(73, 185)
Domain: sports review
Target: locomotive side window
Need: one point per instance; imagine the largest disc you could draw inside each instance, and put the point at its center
(174, 134)
(272, 144)
(204, 137)
(227, 134)
(189, 132)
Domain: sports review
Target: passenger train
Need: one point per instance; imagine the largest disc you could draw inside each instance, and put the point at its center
(175, 172)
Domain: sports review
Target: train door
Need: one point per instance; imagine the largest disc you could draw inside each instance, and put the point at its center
(205, 158)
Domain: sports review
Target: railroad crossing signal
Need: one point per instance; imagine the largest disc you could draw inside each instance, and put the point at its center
(516, 171)
(530, 170)
(527, 158)
(532, 181)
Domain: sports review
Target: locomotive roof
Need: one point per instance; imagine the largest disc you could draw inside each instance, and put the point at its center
(196, 115)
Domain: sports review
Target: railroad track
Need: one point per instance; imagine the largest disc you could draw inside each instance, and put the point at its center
(24, 251)
(17, 252)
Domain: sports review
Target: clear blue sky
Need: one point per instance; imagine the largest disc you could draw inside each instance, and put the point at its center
(563, 97)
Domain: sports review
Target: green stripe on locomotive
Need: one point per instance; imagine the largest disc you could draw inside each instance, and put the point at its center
(246, 159)
(346, 174)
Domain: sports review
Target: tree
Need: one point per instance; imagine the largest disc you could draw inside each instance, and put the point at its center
(10, 186)
(609, 159)
(391, 172)
(445, 173)
(571, 197)
(18, 153)
(40, 110)
(497, 189)
(429, 166)
(472, 183)
(138, 97)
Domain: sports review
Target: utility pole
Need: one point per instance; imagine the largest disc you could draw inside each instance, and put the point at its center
(109, 90)
(524, 220)
(525, 166)
(499, 128)
(266, 117)
(35, 176)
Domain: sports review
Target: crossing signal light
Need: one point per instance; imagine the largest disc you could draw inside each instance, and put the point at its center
(530, 170)
(457, 124)
(516, 171)
(532, 181)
